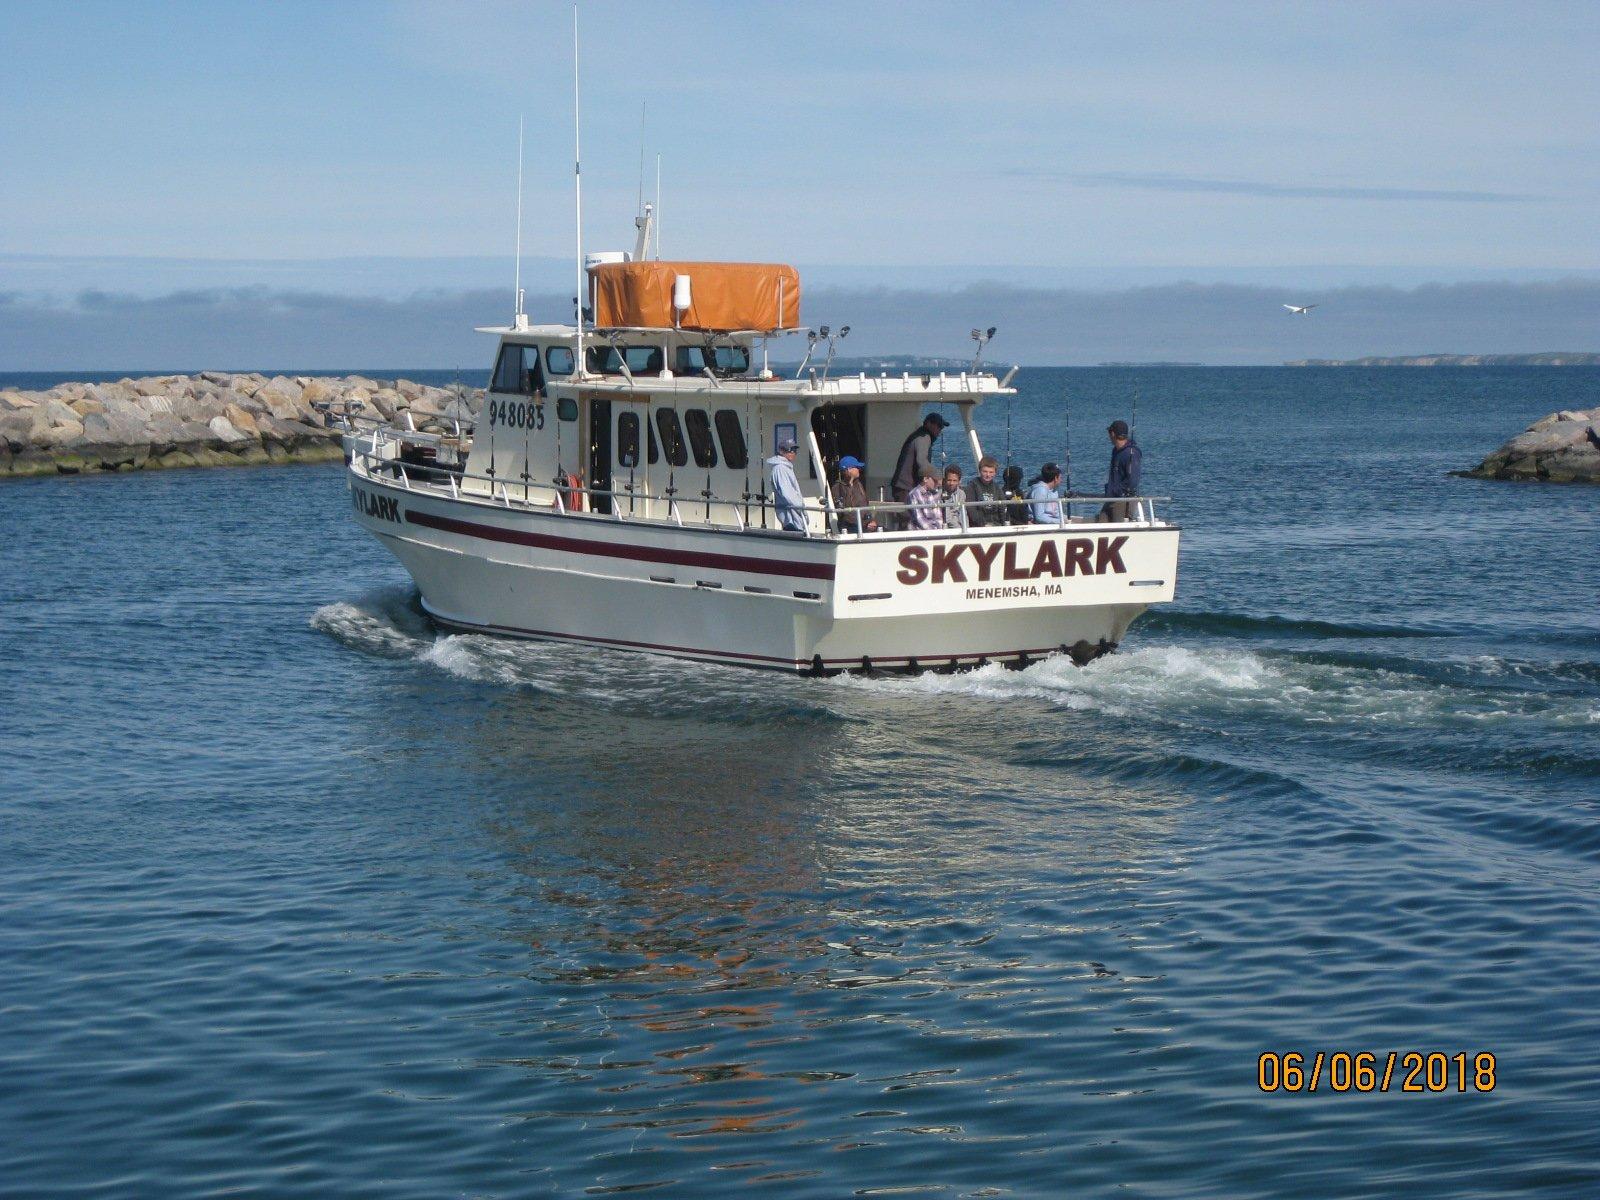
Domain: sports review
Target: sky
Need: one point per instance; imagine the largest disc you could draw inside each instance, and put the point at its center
(163, 154)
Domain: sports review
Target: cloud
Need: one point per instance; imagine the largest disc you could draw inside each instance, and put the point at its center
(245, 328)
(1245, 187)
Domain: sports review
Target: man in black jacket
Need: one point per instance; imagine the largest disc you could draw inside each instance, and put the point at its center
(916, 456)
(1123, 478)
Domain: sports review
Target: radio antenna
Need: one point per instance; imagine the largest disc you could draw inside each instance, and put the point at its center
(577, 192)
(658, 208)
(642, 105)
(521, 318)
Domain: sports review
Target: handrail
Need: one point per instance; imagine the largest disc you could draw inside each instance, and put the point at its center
(835, 521)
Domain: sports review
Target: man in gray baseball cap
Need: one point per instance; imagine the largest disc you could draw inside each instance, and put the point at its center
(787, 501)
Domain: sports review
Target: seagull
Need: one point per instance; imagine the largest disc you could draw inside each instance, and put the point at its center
(1300, 310)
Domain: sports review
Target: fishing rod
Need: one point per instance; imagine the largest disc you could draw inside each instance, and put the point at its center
(1066, 457)
(744, 432)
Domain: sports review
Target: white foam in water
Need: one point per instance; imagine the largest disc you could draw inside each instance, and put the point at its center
(377, 625)
(1186, 682)
(1169, 681)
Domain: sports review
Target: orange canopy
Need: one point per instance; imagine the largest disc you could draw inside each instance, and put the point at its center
(723, 296)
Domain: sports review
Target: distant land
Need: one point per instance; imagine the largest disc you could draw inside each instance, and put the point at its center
(1549, 358)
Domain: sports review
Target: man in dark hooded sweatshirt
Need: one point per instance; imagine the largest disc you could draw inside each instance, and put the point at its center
(1123, 479)
(916, 456)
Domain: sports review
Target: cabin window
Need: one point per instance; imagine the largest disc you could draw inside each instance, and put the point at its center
(567, 408)
(671, 437)
(641, 360)
(655, 447)
(723, 360)
(700, 440)
(558, 360)
(628, 440)
(730, 432)
(517, 371)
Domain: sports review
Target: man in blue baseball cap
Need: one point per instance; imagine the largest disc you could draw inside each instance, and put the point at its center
(849, 492)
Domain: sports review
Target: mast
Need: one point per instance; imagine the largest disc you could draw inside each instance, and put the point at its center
(521, 318)
(581, 367)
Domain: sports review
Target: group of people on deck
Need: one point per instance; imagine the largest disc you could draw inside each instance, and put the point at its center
(938, 500)
(935, 498)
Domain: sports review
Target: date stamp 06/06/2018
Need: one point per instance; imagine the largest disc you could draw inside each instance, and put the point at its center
(1412, 1071)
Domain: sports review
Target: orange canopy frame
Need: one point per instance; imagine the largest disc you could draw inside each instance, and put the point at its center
(723, 296)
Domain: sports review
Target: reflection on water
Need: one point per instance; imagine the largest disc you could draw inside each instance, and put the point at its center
(722, 924)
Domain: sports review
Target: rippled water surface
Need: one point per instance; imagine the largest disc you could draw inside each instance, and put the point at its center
(303, 897)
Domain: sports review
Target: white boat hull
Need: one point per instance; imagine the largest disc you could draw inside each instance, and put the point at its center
(893, 602)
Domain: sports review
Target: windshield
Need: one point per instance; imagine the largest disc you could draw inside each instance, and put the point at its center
(723, 360)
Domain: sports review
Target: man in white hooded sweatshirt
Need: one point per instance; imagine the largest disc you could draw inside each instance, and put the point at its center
(787, 501)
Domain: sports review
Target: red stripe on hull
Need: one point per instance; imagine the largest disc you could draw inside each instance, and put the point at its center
(686, 558)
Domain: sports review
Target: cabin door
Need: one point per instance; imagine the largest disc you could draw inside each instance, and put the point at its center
(631, 468)
(841, 429)
(600, 455)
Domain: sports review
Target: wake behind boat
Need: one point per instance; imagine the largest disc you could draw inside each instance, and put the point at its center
(613, 493)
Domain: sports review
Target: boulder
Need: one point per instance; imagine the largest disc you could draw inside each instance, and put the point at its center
(117, 406)
(222, 430)
(278, 385)
(85, 406)
(53, 412)
(240, 419)
(318, 391)
(115, 428)
(1555, 448)
(104, 392)
(278, 405)
(199, 408)
(16, 430)
(58, 436)
(166, 433)
(192, 433)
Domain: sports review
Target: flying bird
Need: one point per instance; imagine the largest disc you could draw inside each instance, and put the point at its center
(1300, 310)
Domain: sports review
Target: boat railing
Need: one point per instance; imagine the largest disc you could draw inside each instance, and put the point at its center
(856, 522)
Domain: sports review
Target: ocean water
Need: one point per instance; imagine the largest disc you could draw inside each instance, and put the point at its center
(304, 898)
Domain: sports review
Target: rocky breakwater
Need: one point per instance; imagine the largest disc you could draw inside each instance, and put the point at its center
(1555, 449)
(210, 419)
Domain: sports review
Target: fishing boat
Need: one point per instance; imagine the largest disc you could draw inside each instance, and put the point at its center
(612, 491)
